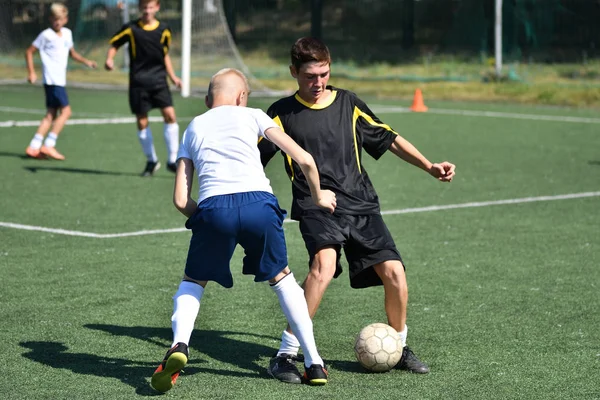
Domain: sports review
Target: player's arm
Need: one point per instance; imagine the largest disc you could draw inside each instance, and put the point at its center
(267, 148)
(31, 76)
(79, 58)
(170, 72)
(118, 40)
(378, 137)
(109, 64)
(183, 187)
(402, 148)
(323, 198)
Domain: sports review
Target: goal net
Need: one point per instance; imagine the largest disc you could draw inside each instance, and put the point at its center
(93, 22)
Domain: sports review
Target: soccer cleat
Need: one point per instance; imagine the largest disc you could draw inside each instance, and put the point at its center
(316, 375)
(51, 152)
(283, 367)
(167, 372)
(409, 362)
(151, 168)
(172, 167)
(34, 153)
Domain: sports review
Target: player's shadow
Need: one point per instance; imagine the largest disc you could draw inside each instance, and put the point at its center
(594, 162)
(133, 373)
(88, 171)
(223, 346)
(16, 155)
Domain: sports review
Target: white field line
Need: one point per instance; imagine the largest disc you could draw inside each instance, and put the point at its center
(82, 121)
(389, 212)
(382, 109)
(43, 111)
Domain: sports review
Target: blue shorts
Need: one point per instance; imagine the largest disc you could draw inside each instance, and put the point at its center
(252, 219)
(56, 96)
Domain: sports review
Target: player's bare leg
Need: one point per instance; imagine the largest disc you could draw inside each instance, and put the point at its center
(322, 269)
(33, 150)
(392, 275)
(145, 137)
(171, 135)
(60, 119)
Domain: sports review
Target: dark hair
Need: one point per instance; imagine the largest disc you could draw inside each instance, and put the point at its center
(308, 49)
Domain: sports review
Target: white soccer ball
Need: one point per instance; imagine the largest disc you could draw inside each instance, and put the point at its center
(378, 347)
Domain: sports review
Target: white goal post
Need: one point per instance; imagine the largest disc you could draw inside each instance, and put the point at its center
(208, 46)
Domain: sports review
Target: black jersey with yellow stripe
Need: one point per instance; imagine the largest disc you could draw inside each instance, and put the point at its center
(334, 133)
(148, 45)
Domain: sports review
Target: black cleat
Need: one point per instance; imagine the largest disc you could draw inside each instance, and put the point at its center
(151, 168)
(316, 375)
(284, 368)
(172, 167)
(409, 362)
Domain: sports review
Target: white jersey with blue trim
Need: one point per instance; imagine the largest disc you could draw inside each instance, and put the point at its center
(222, 143)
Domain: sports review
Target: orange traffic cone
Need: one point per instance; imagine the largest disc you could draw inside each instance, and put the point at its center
(418, 105)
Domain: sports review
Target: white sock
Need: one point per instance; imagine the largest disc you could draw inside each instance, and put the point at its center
(171, 133)
(51, 140)
(289, 344)
(403, 335)
(186, 306)
(293, 304)
(145, 136)
(37, 141)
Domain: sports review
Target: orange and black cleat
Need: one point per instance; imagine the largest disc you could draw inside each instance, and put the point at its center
(166, 374)
(316, 375)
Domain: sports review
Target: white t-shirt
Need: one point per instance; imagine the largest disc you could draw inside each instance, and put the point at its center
(222, 143)
(54, 51)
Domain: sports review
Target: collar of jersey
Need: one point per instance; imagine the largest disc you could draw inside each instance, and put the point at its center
(149, 27)
(316, 106)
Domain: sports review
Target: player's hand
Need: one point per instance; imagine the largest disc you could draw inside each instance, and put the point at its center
(177, 82)
(443, 171)
(91, 64)
(327, 200)
(32, 77)
(109, 65)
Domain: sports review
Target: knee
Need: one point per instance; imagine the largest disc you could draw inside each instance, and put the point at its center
(322, 269)
(392, 272)
(65, 112)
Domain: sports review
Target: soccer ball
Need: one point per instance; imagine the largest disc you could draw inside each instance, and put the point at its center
(378, 347)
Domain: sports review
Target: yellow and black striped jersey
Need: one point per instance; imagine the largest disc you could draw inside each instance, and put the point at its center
(148, 45)
(334, 133)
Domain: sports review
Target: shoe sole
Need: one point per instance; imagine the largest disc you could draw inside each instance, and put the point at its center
(162, 381)
(48, 155)
(317, 382)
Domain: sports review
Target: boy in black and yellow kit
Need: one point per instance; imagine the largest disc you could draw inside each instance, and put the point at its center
(149, 41)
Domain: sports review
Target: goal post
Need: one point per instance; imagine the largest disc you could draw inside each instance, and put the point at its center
(207, 46)
(186, 46)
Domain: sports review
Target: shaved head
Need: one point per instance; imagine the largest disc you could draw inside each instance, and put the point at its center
(228, 87)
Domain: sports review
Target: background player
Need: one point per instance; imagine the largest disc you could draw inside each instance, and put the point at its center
(149, 41)
(334, 125)
(236, 205)
(55, 45)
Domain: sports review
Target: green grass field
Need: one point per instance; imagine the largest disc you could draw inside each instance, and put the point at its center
(504, 298)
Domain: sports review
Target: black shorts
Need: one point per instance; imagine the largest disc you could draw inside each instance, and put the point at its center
(142, 100)
(365, 239)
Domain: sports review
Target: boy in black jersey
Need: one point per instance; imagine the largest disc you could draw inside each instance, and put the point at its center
(334, 126)
(149, 41)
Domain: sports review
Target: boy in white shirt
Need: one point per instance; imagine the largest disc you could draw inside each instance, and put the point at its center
(235, 206)
(55, 45)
